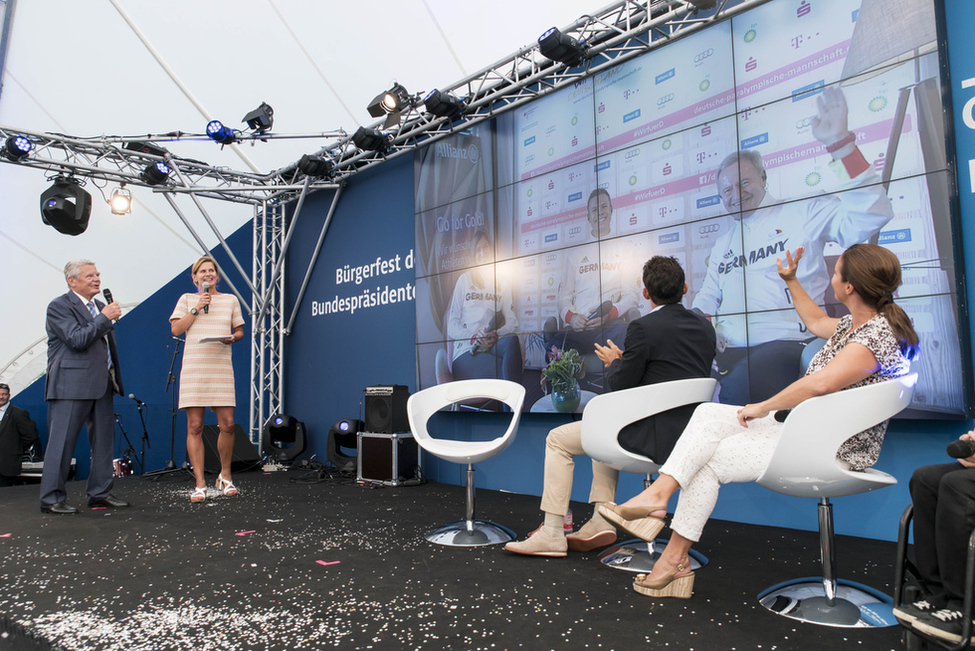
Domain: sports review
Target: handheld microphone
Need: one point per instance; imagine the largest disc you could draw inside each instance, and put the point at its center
(961, 449)
(206, 288)
(108, 299)
(139, 402)
(781, 415)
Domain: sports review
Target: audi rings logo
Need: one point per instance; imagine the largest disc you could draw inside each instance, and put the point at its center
(708, 228)
(701, 56)
(666, 98)
(632, 153)
(804, 122)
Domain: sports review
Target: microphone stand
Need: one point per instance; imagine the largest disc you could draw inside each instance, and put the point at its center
(171, 466)
(145, 438)
(118, 421)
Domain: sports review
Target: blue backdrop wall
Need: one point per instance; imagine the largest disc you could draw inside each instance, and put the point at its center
(335, 351)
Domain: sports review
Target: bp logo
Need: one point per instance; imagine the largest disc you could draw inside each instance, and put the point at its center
(667, 144)
(878, 104)
(750, 35)
(704, 85)
(633, 180)
(530, 192)
(813, 179)
(551, 151)
(575, 120)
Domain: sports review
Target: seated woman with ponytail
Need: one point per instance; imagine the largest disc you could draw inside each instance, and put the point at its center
(725, 443)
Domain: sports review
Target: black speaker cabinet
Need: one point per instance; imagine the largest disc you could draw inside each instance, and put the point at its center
(245, 454)
(389, 459)
(386, 409)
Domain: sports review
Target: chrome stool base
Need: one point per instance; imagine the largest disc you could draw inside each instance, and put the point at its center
(855, 605)
(471, 533)
(639, 556)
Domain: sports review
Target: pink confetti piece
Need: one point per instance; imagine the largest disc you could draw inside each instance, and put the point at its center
(6, 535)
(328, 563)
(244, 533)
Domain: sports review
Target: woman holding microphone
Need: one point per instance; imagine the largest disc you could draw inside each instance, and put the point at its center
(212, 321)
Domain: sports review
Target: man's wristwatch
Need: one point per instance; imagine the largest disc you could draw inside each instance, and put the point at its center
(194, 311)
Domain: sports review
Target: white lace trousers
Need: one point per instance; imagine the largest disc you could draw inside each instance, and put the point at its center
(713, 450)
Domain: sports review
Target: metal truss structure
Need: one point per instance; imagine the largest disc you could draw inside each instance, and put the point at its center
(620, 31)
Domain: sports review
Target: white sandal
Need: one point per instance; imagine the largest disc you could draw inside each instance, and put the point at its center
(226, 486)
(199, 495)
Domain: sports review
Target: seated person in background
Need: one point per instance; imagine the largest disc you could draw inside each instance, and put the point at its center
(18, 434)
(599, 286)
(772, 342)
(481, 347)
(944, 517)
(669, 343)
(724, 443)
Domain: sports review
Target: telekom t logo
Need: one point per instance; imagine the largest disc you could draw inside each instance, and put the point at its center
(968, 118)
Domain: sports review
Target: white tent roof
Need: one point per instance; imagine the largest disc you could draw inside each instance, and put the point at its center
(89, 69)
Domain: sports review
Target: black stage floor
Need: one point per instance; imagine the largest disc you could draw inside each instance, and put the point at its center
(292, 565)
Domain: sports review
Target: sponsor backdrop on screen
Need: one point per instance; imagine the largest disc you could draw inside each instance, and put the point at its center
(531, 229)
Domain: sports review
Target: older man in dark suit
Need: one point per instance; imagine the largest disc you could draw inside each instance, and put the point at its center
(18, 433)
(669, 343)
(82, 378)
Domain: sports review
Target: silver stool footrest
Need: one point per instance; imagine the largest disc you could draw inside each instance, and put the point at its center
(805, 600)
(471, 533)
(639, 556)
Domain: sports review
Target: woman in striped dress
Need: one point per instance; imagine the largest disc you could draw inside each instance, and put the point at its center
(212, 321)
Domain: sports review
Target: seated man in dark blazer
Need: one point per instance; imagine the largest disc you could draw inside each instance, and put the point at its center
(669, 343)
(18, 434)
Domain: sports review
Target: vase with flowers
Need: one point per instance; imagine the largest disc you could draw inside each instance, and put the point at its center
(565, 369)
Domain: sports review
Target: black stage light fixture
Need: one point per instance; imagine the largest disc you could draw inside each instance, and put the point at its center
(283, 438)
(390, 103)
(260, 119)
(121, 201)
(17, 148)
(218, 132)
(314, 165)
(145, 147)
(443, 105)
(66, 207)
(395, 99)
(704, 4)
(370, 139)
(155, 173)
(560, 47)
(343, 434)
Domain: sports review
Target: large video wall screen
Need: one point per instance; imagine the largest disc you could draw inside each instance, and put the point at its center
(531, 230)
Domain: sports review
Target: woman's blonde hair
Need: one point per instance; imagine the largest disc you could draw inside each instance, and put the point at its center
(199, 263)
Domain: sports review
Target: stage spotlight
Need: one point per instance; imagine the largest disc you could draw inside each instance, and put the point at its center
(17, 148)
(388, 101)
(391, 103)
(314, 165)
(220, 133)
(283, 438)
(260, 119)
(155, 173)
(560, 47)
(146, 147)
(443, 105)
(370, 139)
(343, 434)
(121, 201)
(66, 207)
